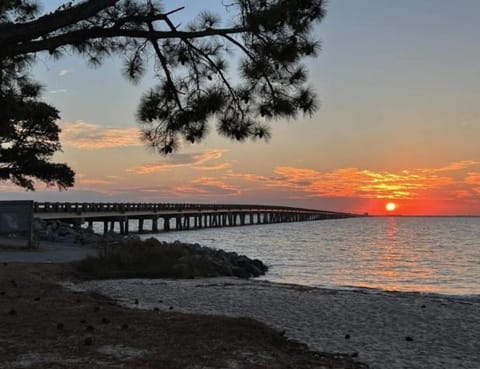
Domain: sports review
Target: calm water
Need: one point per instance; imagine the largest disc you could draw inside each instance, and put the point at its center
(440, 255)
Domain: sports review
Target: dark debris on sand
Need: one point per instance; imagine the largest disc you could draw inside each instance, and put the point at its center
(55, 332)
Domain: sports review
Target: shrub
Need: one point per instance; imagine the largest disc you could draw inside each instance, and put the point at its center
(155, 259)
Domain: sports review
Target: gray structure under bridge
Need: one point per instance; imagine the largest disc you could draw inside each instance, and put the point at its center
(166, 217)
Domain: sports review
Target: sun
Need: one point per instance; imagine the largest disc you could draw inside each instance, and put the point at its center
(390, 206)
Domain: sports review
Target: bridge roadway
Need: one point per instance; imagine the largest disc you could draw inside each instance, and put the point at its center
(166, 217)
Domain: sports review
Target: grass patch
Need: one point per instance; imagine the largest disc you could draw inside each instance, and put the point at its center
(149, 259)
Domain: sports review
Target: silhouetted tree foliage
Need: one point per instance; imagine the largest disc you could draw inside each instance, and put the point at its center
(190, 61)
(28, 130)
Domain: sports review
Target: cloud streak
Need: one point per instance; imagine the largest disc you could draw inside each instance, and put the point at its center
(83, 135)
(60, 91)
(447, 182)
(207, 187)
(193, 160)
(64, 72)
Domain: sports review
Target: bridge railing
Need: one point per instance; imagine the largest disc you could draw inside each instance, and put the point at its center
(83, 207)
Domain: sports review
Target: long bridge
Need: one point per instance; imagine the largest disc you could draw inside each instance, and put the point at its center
(166, 217)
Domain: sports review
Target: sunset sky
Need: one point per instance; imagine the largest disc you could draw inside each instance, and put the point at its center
(399, 85)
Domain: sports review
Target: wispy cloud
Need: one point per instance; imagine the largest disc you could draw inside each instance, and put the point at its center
(92, 182)
(193, 160)
(447, 181)
(64, 72)
(60, 91)
(473, 178)
(457, 165)
(203, 188)
(207, 187)
(83, 135)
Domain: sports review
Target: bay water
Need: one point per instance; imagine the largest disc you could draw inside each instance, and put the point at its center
(421, 254)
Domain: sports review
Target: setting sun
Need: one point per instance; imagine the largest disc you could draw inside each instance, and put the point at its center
(390, 206)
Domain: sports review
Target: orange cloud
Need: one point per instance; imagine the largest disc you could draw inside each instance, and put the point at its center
(473, 178)
(213, 167)
(83, 135)
(207, 187)
(457, 165)
(91, 182)
(446, 182)
(194, 160)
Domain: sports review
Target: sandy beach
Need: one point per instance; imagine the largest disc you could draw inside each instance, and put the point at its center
(44, 325)
(384, 330)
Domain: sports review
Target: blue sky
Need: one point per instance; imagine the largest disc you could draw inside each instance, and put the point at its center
(398, 82)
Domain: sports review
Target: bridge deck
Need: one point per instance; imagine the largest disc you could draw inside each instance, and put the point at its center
(185, 216)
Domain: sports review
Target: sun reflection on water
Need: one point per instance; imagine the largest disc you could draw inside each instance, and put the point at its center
(438, 255)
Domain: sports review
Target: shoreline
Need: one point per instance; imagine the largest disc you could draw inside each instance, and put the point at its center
(44, 325)
(50, 252)
(380, 328)
(384, 330)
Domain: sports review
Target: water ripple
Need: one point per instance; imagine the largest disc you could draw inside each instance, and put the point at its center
(436, 255)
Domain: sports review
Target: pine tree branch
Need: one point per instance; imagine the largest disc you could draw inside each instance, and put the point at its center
(13, 33)
(146, 18)
(209, 61)
(247, 52)
(79, 36)
(163, 61)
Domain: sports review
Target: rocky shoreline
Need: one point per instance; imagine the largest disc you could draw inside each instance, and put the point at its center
(221, 263)
(61, 232)
(152, 258)
(225, 263)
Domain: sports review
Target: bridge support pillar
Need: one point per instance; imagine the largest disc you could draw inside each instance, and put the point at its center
(178, 225)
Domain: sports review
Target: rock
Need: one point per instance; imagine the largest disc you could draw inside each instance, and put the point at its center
(182, 270)
(240, 272)
(197, 248)
(214, 262)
